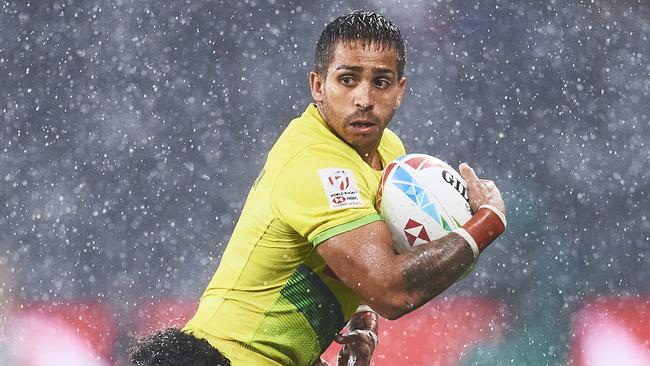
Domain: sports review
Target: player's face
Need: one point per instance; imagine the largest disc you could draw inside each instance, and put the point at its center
(360, 93)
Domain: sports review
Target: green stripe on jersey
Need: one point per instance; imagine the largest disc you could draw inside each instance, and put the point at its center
(322, 309)
(336, 230)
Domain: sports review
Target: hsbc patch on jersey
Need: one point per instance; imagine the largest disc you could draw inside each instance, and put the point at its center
(340, 188)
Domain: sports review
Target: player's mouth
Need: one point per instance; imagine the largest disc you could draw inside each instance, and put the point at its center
(363, 125)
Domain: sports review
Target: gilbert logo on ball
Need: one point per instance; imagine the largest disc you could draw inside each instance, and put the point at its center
(421, 198)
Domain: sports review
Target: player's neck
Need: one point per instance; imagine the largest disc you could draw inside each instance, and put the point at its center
(371, 158)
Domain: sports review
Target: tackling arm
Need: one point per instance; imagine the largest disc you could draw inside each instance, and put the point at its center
(361, 339)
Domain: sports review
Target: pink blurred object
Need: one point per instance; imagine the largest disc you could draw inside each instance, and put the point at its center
(67, 334)
(611, 331)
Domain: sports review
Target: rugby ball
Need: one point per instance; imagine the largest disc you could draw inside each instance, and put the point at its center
(421, 198)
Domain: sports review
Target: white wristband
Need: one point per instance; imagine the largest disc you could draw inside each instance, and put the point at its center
(468, 238)
(363, 308)
(496, 211)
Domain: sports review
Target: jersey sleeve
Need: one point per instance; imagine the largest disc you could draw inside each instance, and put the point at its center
(321, 194)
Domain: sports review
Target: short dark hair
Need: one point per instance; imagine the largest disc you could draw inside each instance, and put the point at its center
(173, 347)
(359, 25)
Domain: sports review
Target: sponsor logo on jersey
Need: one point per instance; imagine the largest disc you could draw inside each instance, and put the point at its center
(340, 188)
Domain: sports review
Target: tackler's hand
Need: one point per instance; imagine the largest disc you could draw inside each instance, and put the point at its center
(358, 346)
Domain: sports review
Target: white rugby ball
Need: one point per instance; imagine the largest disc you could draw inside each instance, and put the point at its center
(421, 198)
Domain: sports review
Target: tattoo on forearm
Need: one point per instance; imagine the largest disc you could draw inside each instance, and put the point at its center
(434, 267)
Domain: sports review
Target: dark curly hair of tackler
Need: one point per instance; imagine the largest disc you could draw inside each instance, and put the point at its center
(173, 347)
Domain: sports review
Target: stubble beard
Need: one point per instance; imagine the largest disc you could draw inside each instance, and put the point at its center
(362, 149)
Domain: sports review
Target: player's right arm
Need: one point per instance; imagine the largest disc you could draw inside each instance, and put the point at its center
(395, 284)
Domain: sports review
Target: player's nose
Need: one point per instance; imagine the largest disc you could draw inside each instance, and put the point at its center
(363, 96)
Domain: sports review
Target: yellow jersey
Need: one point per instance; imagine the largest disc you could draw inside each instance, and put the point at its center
(273, 300)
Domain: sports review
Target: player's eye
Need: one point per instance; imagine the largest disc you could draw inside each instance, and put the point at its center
(347, 80)
(382, 83)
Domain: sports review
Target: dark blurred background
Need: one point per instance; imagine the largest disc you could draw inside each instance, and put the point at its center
(131, 131)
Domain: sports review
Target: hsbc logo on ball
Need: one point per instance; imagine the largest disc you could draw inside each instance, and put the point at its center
(340, 188)
(415, 233)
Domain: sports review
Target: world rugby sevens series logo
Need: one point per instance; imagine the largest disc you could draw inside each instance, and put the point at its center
(339, 180)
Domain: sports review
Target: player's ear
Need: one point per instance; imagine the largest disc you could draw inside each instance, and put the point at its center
(401, 85)
(317, 85)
